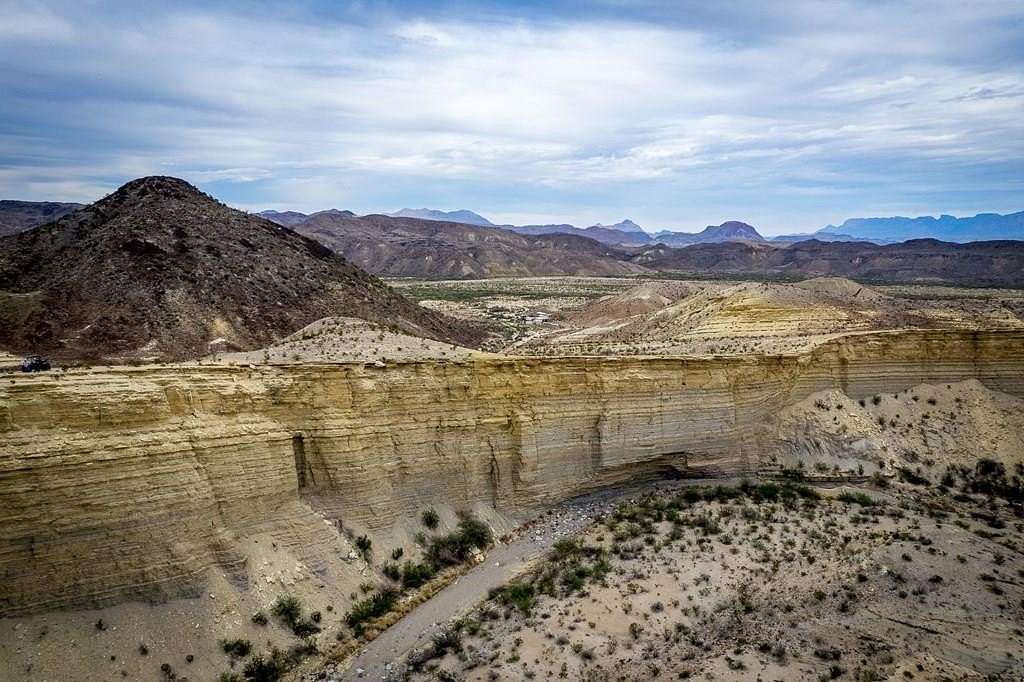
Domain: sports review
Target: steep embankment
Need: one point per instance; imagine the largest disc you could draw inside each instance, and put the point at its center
(131, 482)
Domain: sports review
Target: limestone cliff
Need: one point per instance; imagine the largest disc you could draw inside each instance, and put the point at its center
(131, 482)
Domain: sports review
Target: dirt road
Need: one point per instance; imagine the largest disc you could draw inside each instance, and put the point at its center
(502, 563)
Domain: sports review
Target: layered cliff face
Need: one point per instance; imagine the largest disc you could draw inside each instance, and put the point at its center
(131, 482)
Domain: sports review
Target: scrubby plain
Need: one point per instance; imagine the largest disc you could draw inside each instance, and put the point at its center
(644, 316)
(906, 579)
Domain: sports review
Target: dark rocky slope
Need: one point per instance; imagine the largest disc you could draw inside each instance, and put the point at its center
(158, 268)
(18, 216)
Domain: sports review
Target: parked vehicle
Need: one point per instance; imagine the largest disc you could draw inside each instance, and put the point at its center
(35, 363)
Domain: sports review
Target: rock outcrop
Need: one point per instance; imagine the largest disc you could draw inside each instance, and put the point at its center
(131, 482)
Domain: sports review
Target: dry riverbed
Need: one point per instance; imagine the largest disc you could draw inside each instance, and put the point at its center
(770, 582)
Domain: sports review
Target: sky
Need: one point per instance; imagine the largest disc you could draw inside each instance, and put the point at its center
(786, 115)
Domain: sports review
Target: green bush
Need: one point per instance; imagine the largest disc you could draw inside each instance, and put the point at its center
(912, 477)
(289, 610)
(518, 594)
(269, 669)
(455, 547)
(238, 648)
(372, 607)
(566, 547)
(431, 519)
(416, 574)
(856, 498)
(363, 544)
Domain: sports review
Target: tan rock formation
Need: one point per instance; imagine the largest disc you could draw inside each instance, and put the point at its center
(130, 482)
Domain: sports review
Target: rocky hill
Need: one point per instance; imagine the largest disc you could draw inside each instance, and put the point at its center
(18, 216)
(159, 269)
(729, 231)
(998, 263)
(411, 247)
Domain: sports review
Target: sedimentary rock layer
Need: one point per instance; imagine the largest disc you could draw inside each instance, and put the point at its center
(131, 482)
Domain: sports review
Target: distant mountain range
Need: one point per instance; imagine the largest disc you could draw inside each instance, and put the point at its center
(625, 233)
(412, 247)
(987, 263)
(417, 247)
(982, 227)
(17, 216)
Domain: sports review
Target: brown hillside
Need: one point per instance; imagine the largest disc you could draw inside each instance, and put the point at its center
(159, 269)
(410, 247)
(18, 216)
(995, 263)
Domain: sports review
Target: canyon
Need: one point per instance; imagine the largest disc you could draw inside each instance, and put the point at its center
(133, 483)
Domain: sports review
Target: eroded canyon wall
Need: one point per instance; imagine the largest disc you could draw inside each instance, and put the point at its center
(131, 482)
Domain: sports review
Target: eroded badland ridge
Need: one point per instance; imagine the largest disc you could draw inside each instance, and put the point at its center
(127, 482)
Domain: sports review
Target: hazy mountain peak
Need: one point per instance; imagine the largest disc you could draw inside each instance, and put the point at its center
(981, 227)
(458, 216)
(626, 225)
(286, 218)
(733, 230)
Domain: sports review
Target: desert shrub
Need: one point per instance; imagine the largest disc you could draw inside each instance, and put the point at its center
(266, 669)
(237, 648)
(259, 618)
(289, 609)
(455, 547)
(600, 569)
(566, 547)
(298, 652)
(372, 607)
(446, 640)
(520, 594)
(431, 519)
(392, 571)
(856, 498)
(363, 544)
(397, 553)
(574, 577)
(416, 574)
(767, 491)
(912, 477)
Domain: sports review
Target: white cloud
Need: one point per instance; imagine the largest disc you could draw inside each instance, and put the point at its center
(825, 98)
